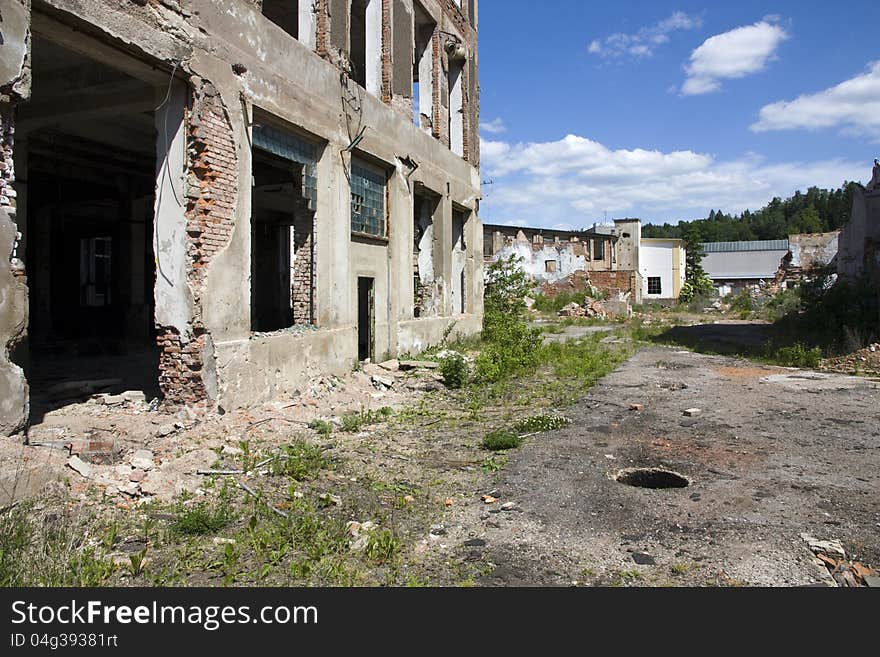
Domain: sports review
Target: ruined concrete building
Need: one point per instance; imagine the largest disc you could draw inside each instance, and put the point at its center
(609, 256)
(223, 198)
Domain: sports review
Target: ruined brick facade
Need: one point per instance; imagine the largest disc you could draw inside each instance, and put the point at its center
(191, 265)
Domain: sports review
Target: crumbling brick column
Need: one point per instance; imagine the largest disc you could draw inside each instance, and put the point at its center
(303, 283)
(211, 197)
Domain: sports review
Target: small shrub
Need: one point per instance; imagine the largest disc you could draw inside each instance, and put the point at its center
(454, 369)
(799, 356)
(501, 439)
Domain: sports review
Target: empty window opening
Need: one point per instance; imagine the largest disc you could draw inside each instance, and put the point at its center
(366, 318)
(284, 13)
(368, 207)
(459, 262)
(283, 227)
(550, 266)
(424, 207)
(85, 150)
(456, 105)
(598, 249)
(365, 44)
(655, 285)
(423, 68)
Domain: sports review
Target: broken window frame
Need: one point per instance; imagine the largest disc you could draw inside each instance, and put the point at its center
(369, 203)
(290, 146)
(655, 285)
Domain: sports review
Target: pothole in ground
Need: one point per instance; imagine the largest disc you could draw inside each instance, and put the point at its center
(656, 478)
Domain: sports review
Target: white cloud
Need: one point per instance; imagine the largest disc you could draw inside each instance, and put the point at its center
(731, 55)
(642, 43)
(495, 126)
(575, 180)
(853, 105)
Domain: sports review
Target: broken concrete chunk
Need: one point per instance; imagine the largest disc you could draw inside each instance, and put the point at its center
(391, 365)
(80, 466)
(137, 476)
(383, 381)
(142, 459)
(165, 430)
(135, 396)
(637, 407)
(829, 547)
(692, 412)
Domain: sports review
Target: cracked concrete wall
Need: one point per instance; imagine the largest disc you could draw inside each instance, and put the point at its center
(14, 88)
(859, 242)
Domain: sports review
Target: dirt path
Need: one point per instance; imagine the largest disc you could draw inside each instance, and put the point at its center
(773, 454)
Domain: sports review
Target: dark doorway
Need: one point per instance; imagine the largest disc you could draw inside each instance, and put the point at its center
(88, 188)
(366, 315)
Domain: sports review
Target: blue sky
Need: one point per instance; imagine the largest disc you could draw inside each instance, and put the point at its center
(665, 110)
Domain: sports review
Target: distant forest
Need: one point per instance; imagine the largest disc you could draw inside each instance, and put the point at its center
(817, 211)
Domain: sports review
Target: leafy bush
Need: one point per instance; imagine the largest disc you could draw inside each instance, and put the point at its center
(511, 344)
(501, 439)
(742, 302)
(799, 356)
(454, 369)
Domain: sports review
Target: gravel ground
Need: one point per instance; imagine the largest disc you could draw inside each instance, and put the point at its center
(773, 453)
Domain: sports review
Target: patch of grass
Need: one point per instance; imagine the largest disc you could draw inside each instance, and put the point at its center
(679, 568)
(204, 518)
(299, 460)
(501, 439)
(354, 422)
(48, 550)
(540, 423)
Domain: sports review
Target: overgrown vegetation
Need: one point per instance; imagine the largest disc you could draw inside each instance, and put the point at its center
(510, 343)
(798, 355)
(545, 304)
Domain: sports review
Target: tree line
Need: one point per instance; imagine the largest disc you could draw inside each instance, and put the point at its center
(817, 211)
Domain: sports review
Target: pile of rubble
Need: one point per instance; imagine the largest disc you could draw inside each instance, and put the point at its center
(131, 450)
(831, 555)
(864, 361)
(590, 308)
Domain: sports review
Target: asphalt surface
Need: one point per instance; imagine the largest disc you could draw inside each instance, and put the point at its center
(772, 453)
